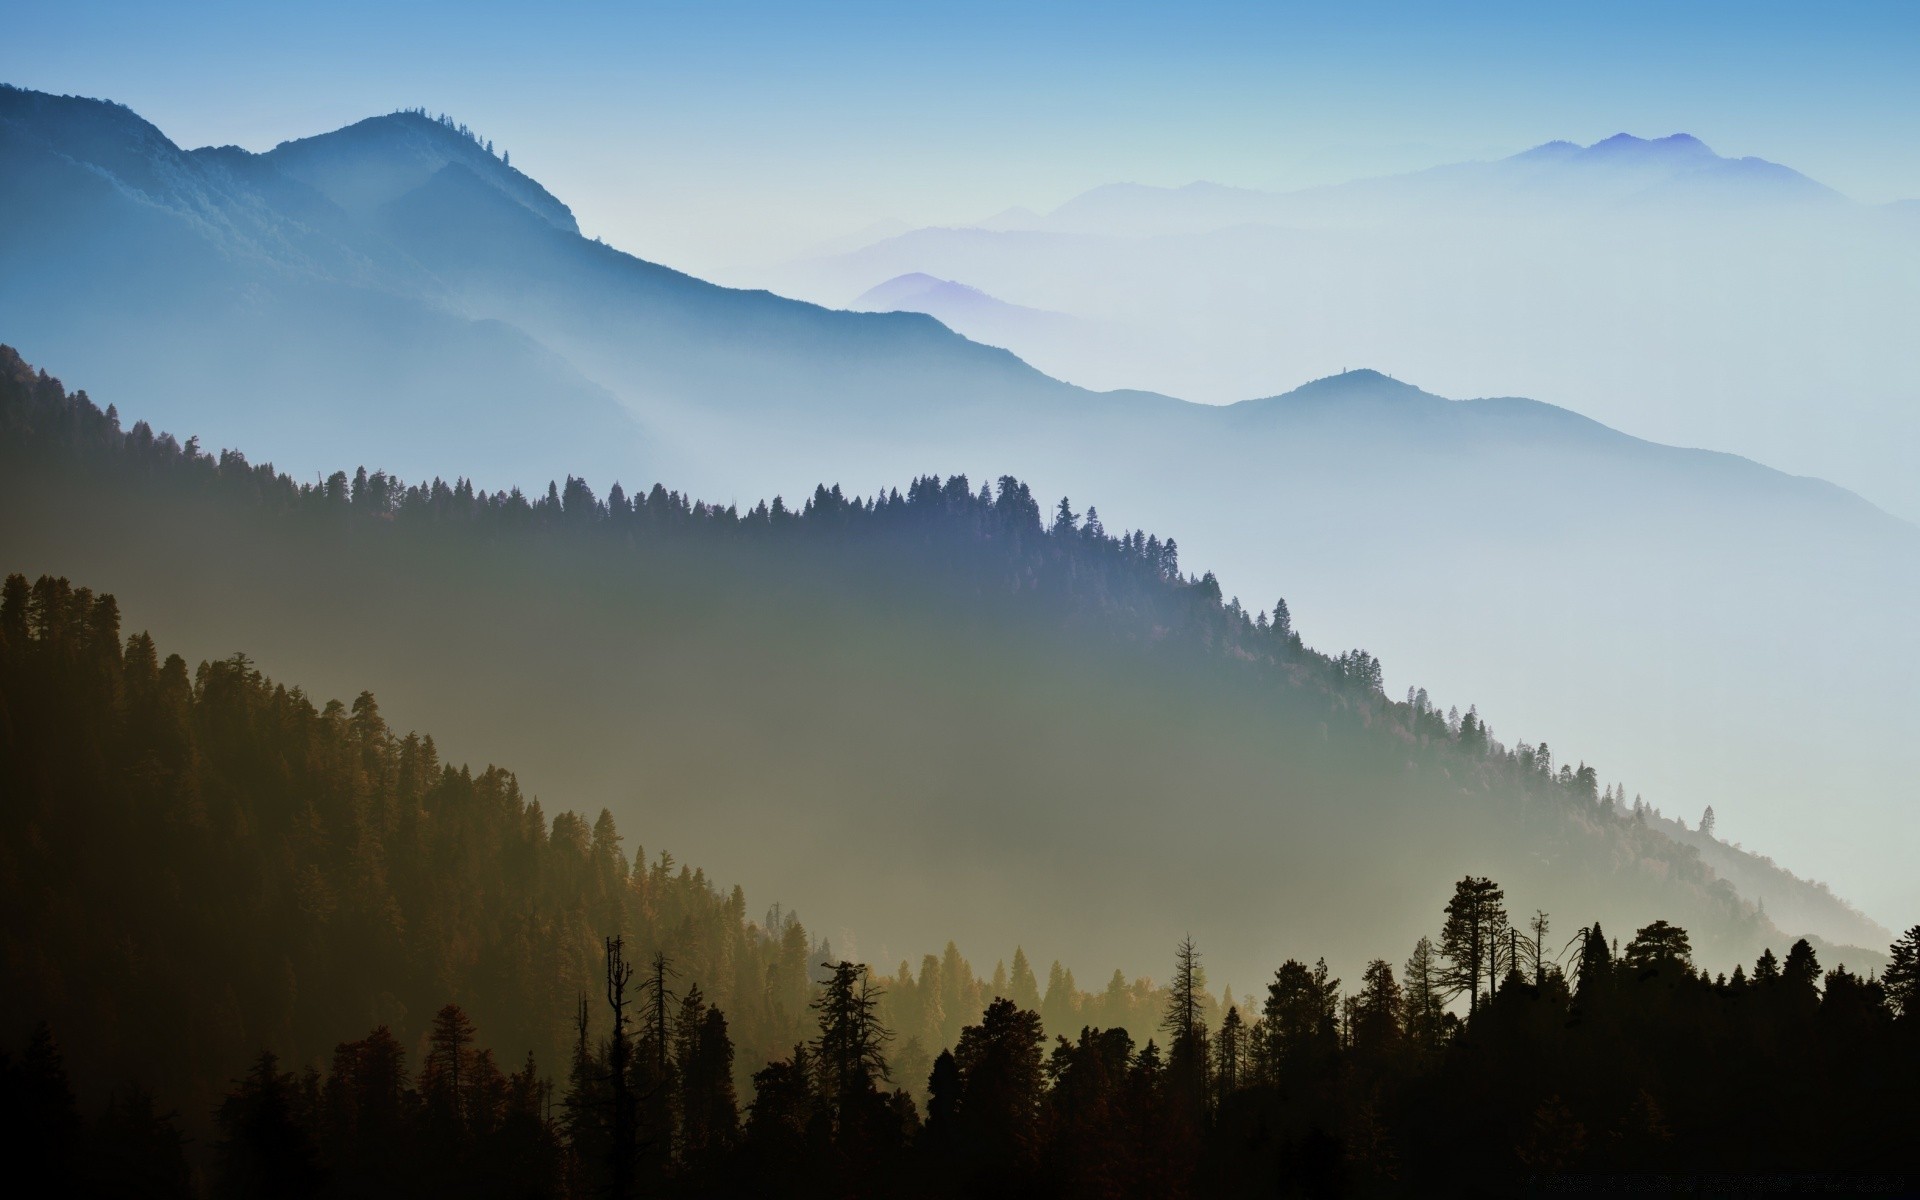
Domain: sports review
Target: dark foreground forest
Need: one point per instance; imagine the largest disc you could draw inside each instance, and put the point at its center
(185, 854)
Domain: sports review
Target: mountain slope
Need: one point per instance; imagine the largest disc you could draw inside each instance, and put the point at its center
(251, 308)
(1722, 631)
(399, 255)
(928, 712)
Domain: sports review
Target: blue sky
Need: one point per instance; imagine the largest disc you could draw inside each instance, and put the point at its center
(713, 132)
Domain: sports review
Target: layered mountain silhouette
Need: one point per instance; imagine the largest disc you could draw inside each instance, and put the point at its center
(1549, 181)
(393, 294)
(1651, 283)
(937, 712)
(397, 258)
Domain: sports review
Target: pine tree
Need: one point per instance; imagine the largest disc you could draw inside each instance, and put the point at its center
(588, 1107)
(1424, 997)
(1800, 974)
(1596, 965)
(264, 1147)
(1230, 1054)
(623, 1140)
(1660, 947)
(1185, 1025)
(1023, 988)
(710, 1115)
(1057, 1006)
(1537, 946)
(852, 1042)
(1902, 976)
(943, 1099)
(446, 1078)
(1298, 1023)
(1379, 1010)
(1001, 1080)
(1473, 939)
(1064, 518)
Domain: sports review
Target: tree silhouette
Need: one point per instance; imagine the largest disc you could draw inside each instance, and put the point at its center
(1379, 1011)
(1425, 997)
(623, 1145)
(1185, 1027)
(1660, 947)
(999, 1066)
(852, 1042)
(264, 1147)
(1902, 976)
(1471, 940)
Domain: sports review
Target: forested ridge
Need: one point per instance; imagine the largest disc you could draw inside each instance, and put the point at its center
(257, 869)
(865, 679)
(201, 864)
(198, 863)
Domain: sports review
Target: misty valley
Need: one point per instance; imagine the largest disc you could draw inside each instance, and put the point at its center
(483, 713)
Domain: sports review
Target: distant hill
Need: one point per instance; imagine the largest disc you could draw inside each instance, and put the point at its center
(393, 294)
(1690, 297)
(1549, 180)
(970, 311)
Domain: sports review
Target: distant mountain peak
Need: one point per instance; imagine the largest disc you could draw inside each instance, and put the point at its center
(375, 161)
(914, 285)
(1673, 143)
(1360, 384)
(917, 291)
(1358, 377)
(1015, 218)
(1621, 145)
(1559, 148)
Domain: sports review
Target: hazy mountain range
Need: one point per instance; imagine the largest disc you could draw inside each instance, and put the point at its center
(977, 316)
(944, 713)
(1652, 284)
(393, 293)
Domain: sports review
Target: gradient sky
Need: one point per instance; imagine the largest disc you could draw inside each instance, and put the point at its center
(704, 134)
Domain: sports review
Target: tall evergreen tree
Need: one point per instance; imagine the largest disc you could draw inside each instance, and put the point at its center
(1596, 965)
(447, 1076)
(1472, 940)
(1022, 987)
(1379, 1010)
(1902, 976)
(1425, 997)
(1660, 947)
(999, 1065)
(1230, 1054)
(1298, 1027)
(265, 1148)
(851, 1047)
(1185, 1025)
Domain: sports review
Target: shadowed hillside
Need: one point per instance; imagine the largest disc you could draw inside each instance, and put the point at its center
(994, 718)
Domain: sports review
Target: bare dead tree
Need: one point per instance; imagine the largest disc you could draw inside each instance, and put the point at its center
(619, 975)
